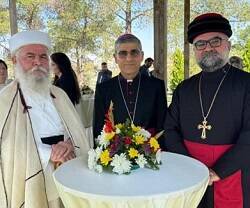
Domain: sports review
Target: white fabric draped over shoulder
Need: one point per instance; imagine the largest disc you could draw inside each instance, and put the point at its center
(22, 179)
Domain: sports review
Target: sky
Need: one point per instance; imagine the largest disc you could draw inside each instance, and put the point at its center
(146, 35)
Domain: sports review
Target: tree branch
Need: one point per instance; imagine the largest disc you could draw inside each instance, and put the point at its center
(120, 16)
(4, 47)
(141, 14)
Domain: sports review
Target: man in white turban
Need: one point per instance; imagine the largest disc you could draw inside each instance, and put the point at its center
(39, 127)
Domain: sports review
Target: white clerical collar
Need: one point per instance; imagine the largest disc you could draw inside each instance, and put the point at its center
(123, 79)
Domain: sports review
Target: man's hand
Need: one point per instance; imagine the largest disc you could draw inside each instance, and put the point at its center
(62, 152)
(213, 177)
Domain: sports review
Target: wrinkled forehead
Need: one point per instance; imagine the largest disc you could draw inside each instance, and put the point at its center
(128, 46)
(210, 35)
(36, 49)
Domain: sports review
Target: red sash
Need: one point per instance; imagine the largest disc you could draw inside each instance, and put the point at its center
(228, 191)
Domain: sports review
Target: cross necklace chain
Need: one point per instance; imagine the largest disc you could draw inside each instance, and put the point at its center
(138, 89)
(204, 124)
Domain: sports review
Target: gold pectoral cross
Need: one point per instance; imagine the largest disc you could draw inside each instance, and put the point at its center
(204, 127)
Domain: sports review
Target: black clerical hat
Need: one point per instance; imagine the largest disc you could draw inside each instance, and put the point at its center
(208, 22)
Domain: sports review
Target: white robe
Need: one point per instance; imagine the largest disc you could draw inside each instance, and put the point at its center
(46, 122)
(22, 175)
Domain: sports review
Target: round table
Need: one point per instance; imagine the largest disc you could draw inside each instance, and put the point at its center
(180, 183)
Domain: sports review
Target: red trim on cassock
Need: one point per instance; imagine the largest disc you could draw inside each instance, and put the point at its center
(228, 191)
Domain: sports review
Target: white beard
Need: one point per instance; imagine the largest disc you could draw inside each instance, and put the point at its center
(212, 60)
(29, 81)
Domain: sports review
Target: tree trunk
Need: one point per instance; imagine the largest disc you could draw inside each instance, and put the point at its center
(13, 16)
(186, 43)
(128, 17)
(160, 38)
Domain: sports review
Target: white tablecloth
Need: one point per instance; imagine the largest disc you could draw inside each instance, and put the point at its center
(180, 183)
(85, 109)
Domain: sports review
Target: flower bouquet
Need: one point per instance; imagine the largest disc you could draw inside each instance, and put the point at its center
(124, 147)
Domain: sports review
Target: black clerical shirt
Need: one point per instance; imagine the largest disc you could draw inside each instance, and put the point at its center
(151, 104)
(130, 89)
(229, 118)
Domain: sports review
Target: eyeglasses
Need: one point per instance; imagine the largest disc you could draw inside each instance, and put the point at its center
(133, 53)
(214, 43)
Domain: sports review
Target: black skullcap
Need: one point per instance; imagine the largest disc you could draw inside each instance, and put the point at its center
(208, 22)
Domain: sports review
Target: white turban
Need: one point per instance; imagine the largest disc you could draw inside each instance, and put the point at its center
(27, 38)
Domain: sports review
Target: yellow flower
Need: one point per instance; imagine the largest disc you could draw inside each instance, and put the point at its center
(154, 143)
(109, 136)
(139, 139)
(135, 128)
(104, 157)
(119, 125)
(133, 153)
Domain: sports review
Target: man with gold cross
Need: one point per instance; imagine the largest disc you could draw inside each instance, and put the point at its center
(209, 117)
(136, 97)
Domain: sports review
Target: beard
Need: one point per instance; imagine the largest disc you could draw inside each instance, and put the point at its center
(30, 80)
(212, 60)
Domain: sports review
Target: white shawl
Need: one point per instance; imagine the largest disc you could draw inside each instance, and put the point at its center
(22, 182)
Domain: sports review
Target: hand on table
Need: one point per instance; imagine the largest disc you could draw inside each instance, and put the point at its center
(62, 152)
(213, 177)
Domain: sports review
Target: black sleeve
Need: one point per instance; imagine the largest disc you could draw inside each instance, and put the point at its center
(238, 156)
(173, 140)
(99, 111)
(67, 84)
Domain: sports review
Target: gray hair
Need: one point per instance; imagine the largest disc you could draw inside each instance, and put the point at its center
(127, 38)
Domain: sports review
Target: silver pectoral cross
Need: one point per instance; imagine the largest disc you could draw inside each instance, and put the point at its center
(204, 127)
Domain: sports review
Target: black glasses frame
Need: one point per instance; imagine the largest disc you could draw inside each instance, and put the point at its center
(213, 42)
(133, 53)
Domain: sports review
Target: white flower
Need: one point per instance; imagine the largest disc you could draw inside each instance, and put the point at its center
(143, 133)
(102, 141)
(141, 161)
(121, 164)
(98, 152)
(117, 131)
(92, 159)
(94, 155)
(158, 156)
(98, 168)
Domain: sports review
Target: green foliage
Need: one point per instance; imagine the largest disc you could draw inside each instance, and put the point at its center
(83, 29)
(246, 56)
(87, 28)
(4, 21)
(30, 14)
(236, 10)
(177, 71)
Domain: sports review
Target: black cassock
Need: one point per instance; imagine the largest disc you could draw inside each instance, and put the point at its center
(151, 104)
(226, 150)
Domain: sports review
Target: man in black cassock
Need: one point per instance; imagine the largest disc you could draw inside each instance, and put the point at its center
(136, 97)
(209, 117)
